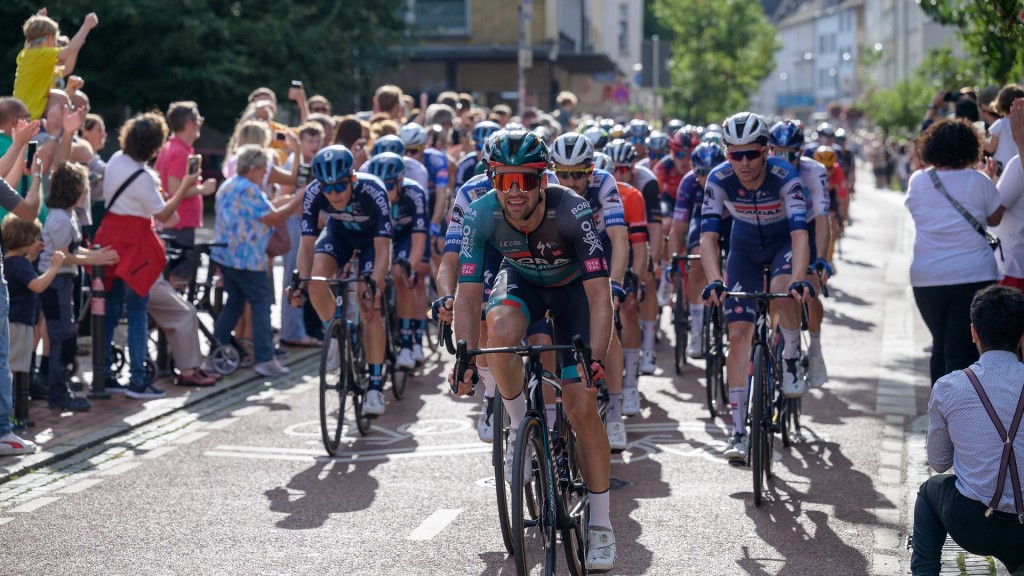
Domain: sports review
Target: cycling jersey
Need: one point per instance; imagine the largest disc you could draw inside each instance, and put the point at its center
(415, 170)
(408, 217)
(689, 199)
(465, 168)
(815, 181)
(564, 247)
(603, 196)
(760, 217)
(668, 179)
(647, 183)
(437, 170)
(644, 163)
(367, 216)
(635, 212)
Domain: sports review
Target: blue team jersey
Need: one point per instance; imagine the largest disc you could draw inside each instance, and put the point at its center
(409, 212)
(368, 213)
(437, 169)
(761, 216)
(689, 197)
(465, 169)
(603, 196)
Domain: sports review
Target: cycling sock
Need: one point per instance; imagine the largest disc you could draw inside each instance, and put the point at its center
(376, 377)
(614, 406)
(488, 379)
(814, 348)
(631, 356)
(648, 326)
(696, 319)
(417, 331)
(516, 409)
(406, 333)
(599, 508)
(549, 414)
(738, 400)
(791, 338)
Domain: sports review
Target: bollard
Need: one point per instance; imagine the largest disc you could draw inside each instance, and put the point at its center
(21, 397)
(98, 309)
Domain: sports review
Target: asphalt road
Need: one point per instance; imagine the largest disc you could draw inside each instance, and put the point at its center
(243, 486)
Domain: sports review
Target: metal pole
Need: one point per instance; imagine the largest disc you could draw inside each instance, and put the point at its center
(98, 309)
(655, 78)
(521, 66)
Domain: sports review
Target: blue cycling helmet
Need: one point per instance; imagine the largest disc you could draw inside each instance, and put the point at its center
(332, 164)
(705, 157)
(389, 143)
(482, 130)
(637, 131)
(785, 134)
(387, 166)
(657, 143)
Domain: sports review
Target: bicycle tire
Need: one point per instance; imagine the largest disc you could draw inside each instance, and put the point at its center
(717, 393)
(333, 387)
(399, 379)
(680, 322)
(502, 489)
(760, 421)
(574, 502)
(533, 538)
(358, 378)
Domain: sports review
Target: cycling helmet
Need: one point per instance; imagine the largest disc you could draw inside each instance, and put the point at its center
(686, 138)
(826, 129)
(706, 156)
(515, 126)
(826, 155)
(413, 135)
(332, 164)
(785, 134)
(485, 152)
(672, 125)
(482, 130)
(745, 128)
(622, 152)
(544, 133)
(637, 131)
(713, 128)
(520, 148)
(387, 166)
(597, 135)
(572, 149)
(840, 135)
(657, 142)
(603, 161)
(607, 124)
(388, 143)
(712, 137)
(616, 132)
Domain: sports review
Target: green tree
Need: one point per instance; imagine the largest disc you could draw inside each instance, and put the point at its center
(990, 31)
(148, 53)
(721, 51)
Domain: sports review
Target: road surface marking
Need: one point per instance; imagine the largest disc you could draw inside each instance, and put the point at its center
(80, 486)
(304, 455)
(158, 452)
(434, 524)
(119, 469)
(190, 438)
(35, 504)
(220, 424)
(5, 520)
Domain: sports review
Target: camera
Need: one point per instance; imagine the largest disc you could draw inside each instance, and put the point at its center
(296, 83)
(194, 163)
(30, 156)
(279, 136)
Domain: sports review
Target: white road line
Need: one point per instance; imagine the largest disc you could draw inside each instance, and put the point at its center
(344, 457)
(119, 469)
(220, 424)
(33, 505)
(158, 452)
(5, 521)
(190, 438)
(434, 524)
(80, 486)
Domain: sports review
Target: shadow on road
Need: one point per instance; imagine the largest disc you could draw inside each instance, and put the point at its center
(312, 496)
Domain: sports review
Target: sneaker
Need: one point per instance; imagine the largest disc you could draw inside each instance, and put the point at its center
(647, 364)
(114, 387)
(630, 401)
(617, 436)
(817, 375)
(145, 392)
(600, 549)
(11, 445)
(695, 349)
(793, 383)
(417, 354)
(373, 404)
(271, 369)
(484, 425)
(405, 360)
(737, 449)
(195, 379)
(665, 289)
(71, 403)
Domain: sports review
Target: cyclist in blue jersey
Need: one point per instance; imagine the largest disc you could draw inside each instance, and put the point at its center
(636, 133)
(784, 141)
(408, 240)
(554, 264)
(358, 218)
(436, 162)
(766, 199)
(466, 168)
(686, 230)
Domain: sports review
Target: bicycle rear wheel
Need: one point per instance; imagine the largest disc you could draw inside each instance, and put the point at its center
(358, 378)
(680, 323)
(502, 485)
(333, 386)
(533, 537)
(574, 502)
(760, 422)
(717, 394)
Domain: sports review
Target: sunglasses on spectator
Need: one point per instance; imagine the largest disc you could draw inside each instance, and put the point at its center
(573, 174)
(526, 181)
(790, 155)
(623, 169)
(338, 187)
(738, 155)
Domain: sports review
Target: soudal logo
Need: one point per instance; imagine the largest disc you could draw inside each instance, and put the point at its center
(594, 264)
(468, 269)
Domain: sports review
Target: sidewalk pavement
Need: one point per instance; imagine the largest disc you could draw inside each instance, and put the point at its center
(63, 434)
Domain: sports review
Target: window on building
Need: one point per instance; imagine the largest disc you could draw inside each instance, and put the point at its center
(623, 29)
(441, 17)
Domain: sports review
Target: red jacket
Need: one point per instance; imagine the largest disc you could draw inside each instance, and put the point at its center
(142, 255)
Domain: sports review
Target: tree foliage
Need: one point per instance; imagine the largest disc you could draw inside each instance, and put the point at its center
(991, 32)
(721, 51)
(148, 53)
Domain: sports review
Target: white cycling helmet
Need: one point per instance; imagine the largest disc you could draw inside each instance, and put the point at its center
(572, 149)
(745, 128)
(603, 161)
(413, 135)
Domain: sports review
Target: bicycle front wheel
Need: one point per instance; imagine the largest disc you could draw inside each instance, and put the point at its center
(760, 422)
(333, 387)
(680, 322)
(533, 537)
(574, 501)
(502, 485)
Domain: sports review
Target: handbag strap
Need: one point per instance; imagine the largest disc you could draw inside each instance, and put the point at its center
(959, 208)
(124, 186)
(1008, 459)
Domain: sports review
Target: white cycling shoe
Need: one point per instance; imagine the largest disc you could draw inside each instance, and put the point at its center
(793, 383)
(373, 404)
(817, 375)
(630, 401)
(617, 436)
(600, 549)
